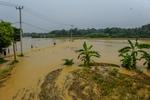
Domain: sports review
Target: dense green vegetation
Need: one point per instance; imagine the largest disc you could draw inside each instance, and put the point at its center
(115, 32)
(86, 54)
(6, 33)
(131, 53)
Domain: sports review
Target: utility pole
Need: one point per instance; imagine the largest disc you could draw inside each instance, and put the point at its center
(14, 50)
(21, 31)
(71, 33)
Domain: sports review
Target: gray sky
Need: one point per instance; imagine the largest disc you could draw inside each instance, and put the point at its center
(58, 14)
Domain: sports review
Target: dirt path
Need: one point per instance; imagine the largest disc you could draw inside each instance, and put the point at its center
(28, 74)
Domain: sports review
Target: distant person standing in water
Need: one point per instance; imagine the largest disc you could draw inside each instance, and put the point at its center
(54, 43)
(31, 46)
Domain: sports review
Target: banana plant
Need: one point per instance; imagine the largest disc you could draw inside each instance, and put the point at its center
(127, 61)
(86, 54)
(133, 50)
(68, 62)
(146, 57)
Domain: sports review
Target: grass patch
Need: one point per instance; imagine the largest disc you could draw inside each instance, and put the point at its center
(14, 62)
(21, 55)
(104, 83)
(4, 72)
(103, 64)
(110, 85)
(2, 61)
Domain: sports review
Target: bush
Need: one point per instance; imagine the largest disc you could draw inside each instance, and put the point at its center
(68, 61)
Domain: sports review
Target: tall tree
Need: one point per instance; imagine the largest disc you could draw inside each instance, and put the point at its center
(6, 34)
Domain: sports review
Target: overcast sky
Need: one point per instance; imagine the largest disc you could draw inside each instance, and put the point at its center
(58, 14)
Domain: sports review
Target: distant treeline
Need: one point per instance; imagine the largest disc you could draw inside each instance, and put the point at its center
(143, 32)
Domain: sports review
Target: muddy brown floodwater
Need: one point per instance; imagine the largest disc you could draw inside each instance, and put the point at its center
(26, 78)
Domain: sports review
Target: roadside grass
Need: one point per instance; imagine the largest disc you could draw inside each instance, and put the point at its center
(20, 55)
(6, 71)
(14, 62)
(2, 61)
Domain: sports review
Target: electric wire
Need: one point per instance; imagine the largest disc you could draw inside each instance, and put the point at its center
(35, 26)
(8, 4)
(43, 17)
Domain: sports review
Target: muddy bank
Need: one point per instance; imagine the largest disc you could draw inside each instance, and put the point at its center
(95, 84)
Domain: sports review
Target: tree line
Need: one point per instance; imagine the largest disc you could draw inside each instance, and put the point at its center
(114, 32)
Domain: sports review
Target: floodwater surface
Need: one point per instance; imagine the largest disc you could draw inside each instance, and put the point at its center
(28, 74)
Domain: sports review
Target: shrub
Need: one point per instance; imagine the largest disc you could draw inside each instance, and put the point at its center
(68, 61)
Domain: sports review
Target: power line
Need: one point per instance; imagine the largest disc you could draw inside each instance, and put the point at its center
(8, 4)
(34, 26)
(42, 17)
(37, 27)
(35, 14)
(15, 23)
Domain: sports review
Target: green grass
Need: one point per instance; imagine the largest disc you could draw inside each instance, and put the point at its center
(14, 62)
(110, 83)
(2, 60)
(4, 72)
(21, 55)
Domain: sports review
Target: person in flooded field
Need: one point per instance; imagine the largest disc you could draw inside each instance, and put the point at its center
(54, 43)
(31, 46)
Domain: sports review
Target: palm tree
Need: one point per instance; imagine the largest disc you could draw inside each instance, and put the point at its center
(86, 53)
(133, 50)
